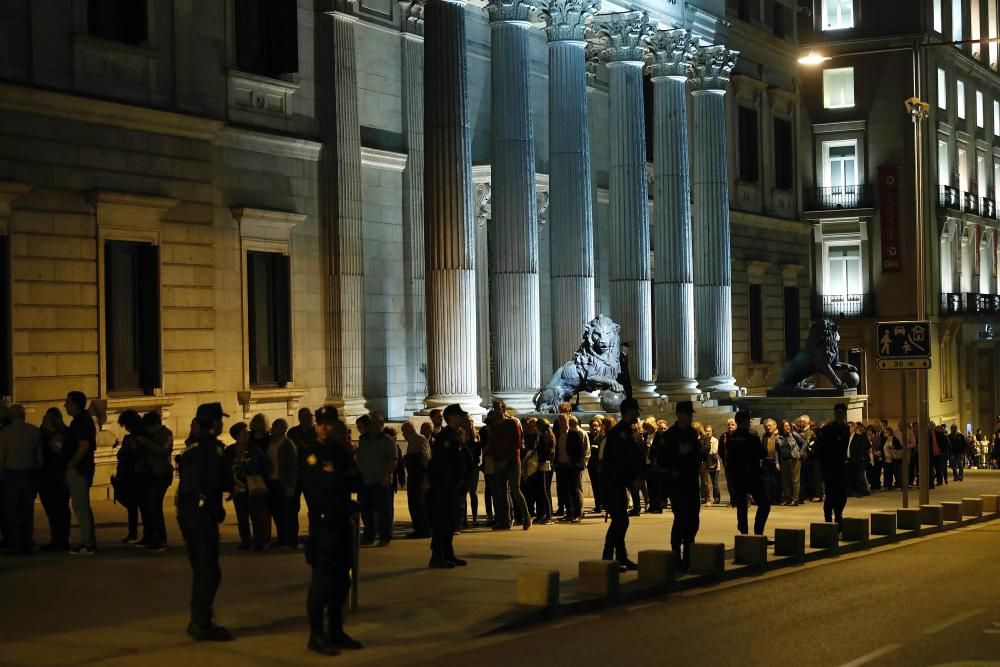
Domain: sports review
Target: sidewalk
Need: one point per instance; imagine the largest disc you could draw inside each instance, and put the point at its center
(126, 606)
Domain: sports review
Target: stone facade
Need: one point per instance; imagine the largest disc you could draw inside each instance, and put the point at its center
(166, 141)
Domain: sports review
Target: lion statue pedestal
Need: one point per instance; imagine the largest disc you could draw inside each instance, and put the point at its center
(595, 366)
(820, 356)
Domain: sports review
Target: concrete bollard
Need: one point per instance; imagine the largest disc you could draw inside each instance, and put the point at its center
(751, 550)
(656, 567)
(972, 507)
(931, 515)
(952, 511)
(855, 529)
(883, 523)
(790, 542)
(538, 588)
(908, 518)
(824, 535)
(708, 558)
(991, 503)
(598, 577)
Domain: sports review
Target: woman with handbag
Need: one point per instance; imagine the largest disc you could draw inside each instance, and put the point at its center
(250, 466)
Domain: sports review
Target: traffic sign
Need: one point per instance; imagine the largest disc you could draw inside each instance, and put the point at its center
(903, 345)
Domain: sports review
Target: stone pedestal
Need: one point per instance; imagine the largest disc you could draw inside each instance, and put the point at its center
(598, 577)
(751, 550)
(931, 515)
(883, 523)
(856, 529)
(449, 236)
(824, 535)
(656, 567)
(819, 408)
(952, 510)
(790, 542)
(708, 558)
(710, 193)
(538, 588)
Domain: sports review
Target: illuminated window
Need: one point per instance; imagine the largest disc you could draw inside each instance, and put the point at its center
(942, 89)
(938, 24)
(996, 118)
(956, 21)
(980, 115)
(838, 14)
(960, 101)
(838, 88)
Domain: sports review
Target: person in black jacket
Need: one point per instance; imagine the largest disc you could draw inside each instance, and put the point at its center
(683, 460)
(832, 443)
(577, 448)
(52, 490)
(129, 482)
(446, 479)
(620, 468)
(957, 445)
(203, 478)
(328, 477)
(745, 455)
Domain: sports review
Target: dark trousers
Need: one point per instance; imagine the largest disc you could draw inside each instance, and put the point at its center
(616, 505)
(859, 481)
(443, 531)
(201, 540)
(685, 503)
(470, 498)
(654, 485)
(331, 554)
(284, 512)
(568, 479)
(940, 468)
(595, 485)
(548, 485)
(55, 499)
(773, 482)
(488, 493)
(875, 475)
(251, 511)
(836, 497)
(376, 506)
(150, 498)
(888, 468)
(560, 489)
(415, 500)
(19, 490)
(742, 486)
(538, 495)
(639, 493)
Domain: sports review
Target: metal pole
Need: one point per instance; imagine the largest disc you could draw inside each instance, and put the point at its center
(923, 449)
(904, 481)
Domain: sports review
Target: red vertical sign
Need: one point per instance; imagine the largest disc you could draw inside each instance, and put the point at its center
(888, 193)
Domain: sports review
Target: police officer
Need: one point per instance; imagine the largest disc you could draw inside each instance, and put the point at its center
(832, 443)
(446, 477)
(203, 478)
(745, 454)
(328, 478)
(620, 468)
(684, 461)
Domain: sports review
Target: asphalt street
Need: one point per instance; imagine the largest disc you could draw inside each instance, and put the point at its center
(930, 602)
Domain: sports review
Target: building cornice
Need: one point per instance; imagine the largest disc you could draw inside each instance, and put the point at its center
(272, 144)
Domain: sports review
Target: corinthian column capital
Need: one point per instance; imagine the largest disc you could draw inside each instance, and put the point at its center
(510, 10)
(672, 53)
(566, 20)
(712, 66)
(626, 36)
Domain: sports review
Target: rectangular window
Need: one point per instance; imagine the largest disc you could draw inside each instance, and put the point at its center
(778, 24)
(269, 313)
(784, 155)
(6, 358)
(843, 270)
(132, 316)
(838, 88)
(755, 314)
(118, 20)
(944, 173)
(991, 32)
(749, 156)
(266, 33)
(838, 14)
(938, 24)
(996, 118)
(792, 317)
(942, 89)
(981, 175)
(980, 112)
(996, 177)
(974, 26)
(840, 164)
(960, 98)
(963, 170)
(956, 22)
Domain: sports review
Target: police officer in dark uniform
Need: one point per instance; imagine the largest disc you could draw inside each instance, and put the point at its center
(446, 477)
(745, 454)
(328, 479)
(620, 467)
(832, 443)
(683, 460)
(203, 478)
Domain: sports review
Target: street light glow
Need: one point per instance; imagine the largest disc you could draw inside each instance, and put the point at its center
(813, 58)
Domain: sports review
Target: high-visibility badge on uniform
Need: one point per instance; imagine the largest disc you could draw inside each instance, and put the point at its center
(311, 459)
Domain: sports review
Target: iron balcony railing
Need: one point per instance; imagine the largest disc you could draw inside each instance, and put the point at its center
(842, 305)
(949, 197)
(981, 304)
(951, 303)
(839, 197)
(970, 203)
(988, 208)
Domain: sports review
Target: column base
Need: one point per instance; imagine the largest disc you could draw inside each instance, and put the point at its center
(348, 408)
(681, 389)
(469, 402)
(720, 386)
(521, 402)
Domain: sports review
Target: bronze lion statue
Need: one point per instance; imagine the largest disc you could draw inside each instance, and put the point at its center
(594, 366)
(820, 355)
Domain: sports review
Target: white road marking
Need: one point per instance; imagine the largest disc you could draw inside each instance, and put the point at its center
(869, 657)
(954, 620)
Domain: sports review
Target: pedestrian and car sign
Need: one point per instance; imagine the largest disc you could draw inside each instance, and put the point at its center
(903, 345)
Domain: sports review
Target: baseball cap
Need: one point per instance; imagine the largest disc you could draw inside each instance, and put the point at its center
(454, 410)
(327, 415)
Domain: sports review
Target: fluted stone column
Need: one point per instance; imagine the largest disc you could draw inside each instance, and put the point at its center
(673, 279)
(448, 225)
(570, 214)
(627, 35)
(710, 193)
(341, 171)
(412, 35)
(513, 239)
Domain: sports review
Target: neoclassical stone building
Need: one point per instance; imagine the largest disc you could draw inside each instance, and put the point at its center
(392, 206)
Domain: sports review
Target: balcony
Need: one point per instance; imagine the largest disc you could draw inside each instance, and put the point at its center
(988, 208)
(949, 197)
(842, 306)
(970, 203)
(951, 303)
(839, 197)
(970, 303)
